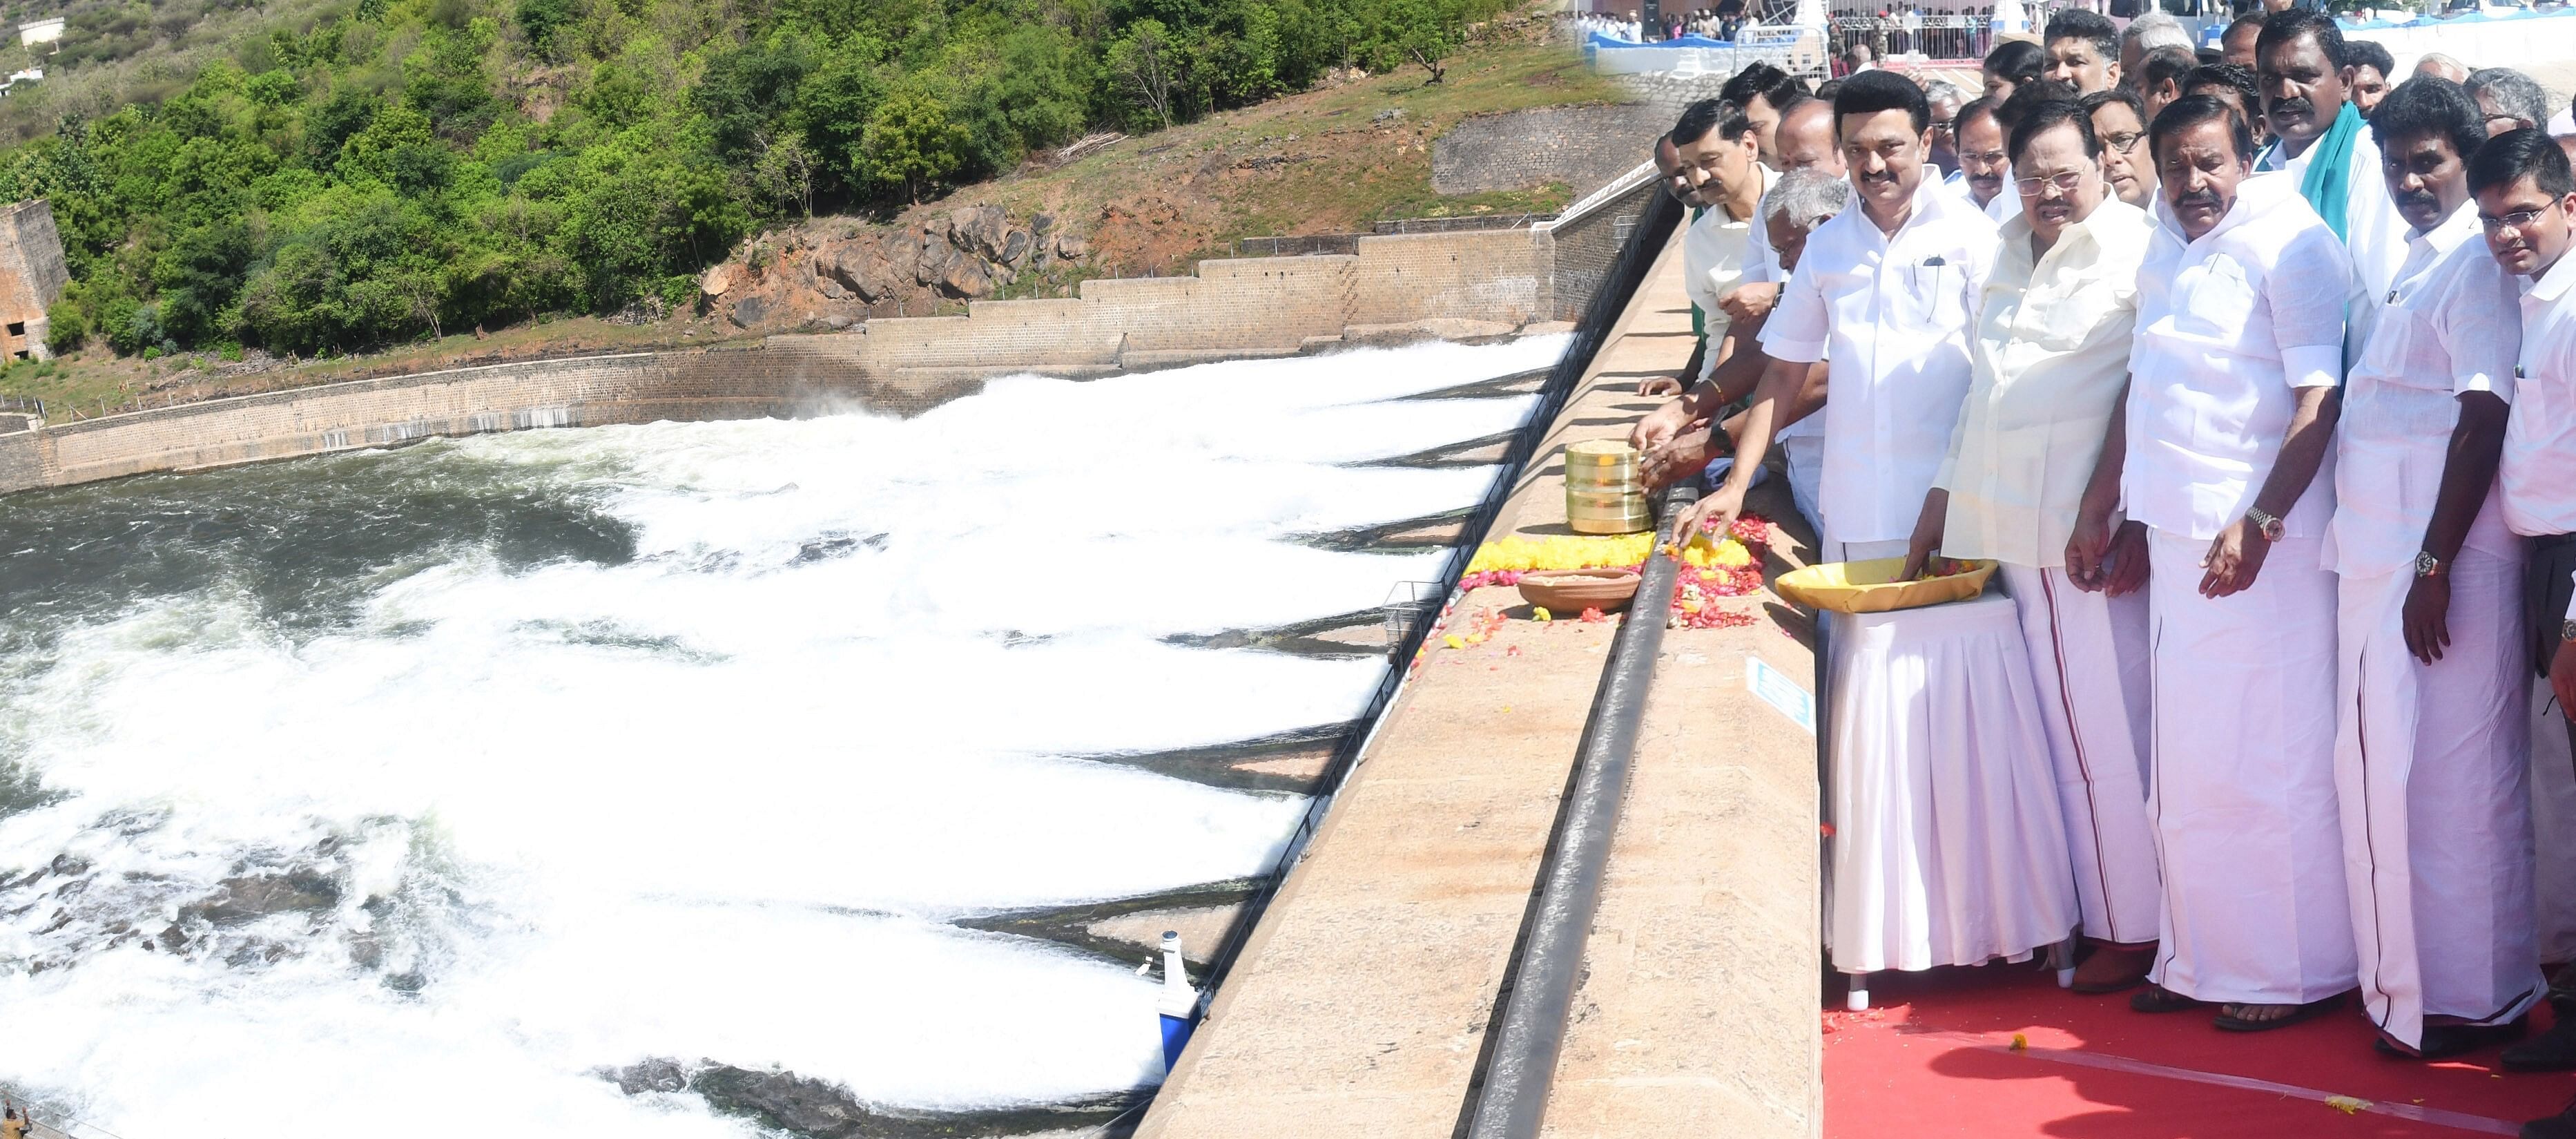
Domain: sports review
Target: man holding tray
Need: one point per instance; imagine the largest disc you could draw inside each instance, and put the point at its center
(2051, 354)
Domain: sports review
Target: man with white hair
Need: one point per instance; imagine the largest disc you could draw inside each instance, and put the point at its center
(2145, 34)
(2509, 99)
(2437, 64)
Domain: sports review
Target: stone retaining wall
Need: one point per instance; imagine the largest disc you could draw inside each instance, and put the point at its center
(1461, 283)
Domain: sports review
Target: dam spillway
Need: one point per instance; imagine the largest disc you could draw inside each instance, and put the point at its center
(479, 771)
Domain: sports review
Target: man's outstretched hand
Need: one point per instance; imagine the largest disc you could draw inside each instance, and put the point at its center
(1721, 506)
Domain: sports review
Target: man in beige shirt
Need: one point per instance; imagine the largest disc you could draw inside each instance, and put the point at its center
(2050, 359)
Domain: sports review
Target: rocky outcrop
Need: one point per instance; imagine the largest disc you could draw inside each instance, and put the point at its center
(782, 1101)
(812, 275)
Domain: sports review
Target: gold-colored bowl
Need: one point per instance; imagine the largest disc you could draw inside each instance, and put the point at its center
(1871, 586)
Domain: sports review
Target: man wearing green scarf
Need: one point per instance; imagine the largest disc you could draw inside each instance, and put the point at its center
(2319, 139)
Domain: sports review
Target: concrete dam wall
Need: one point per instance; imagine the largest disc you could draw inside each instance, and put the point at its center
(1459, 284)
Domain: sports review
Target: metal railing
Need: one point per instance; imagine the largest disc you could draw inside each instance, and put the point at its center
(1627, 273)
(1947, 36)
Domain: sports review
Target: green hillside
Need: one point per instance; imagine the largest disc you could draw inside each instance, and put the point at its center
(348, 175)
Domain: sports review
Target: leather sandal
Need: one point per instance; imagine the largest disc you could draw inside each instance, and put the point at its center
(2159, 999)
(2296, 1014)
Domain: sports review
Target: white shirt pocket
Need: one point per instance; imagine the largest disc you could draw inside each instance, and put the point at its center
(2216, 302)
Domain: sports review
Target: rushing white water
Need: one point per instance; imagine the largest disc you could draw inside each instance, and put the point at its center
(559, 750)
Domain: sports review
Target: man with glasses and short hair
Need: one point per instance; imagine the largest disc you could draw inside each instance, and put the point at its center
(2230, 416)
(1946, 99)
(2320, 140)
(2121, 126)
(2526, 197)
(2051, 359)
(2432, 749)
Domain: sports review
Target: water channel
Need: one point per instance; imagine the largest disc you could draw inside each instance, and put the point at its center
(405, 792)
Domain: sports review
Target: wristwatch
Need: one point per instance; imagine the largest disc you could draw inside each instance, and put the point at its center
(2426, 565)
(2267, 525)
(2567, 630)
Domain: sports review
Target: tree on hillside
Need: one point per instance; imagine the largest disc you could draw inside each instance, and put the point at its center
(912, 142)
(1143, 62)
(1424, 31)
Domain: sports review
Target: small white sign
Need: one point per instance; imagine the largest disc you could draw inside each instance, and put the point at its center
(1776, 689)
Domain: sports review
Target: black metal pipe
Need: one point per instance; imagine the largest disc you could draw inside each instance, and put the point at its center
(1637, 255)
(1513, 1102)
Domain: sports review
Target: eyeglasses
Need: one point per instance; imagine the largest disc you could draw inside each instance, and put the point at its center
(2124, 143)
(1944, 126)
(2516, 221)
(2065, 181)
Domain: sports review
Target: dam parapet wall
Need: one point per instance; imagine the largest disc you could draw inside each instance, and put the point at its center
(1461, 285)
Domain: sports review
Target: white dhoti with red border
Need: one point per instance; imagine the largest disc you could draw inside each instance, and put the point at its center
(2089, 661)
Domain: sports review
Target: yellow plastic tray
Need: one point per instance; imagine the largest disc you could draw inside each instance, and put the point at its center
(1871, 586)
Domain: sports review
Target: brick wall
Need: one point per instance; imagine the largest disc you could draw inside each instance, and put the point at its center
(1583, 147)
(32, 275)
(1233, 308)
(1582, 249)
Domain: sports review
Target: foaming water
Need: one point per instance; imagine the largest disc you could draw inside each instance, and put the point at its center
(409, 791)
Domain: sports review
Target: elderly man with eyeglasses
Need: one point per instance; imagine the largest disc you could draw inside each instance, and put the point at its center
(2050, 359)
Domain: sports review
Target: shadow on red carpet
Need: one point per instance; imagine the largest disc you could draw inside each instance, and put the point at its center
(1936, 1058)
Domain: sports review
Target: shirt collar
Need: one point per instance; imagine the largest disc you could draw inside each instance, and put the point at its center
(2554, 283)
(2447, 234)
(2255, 197)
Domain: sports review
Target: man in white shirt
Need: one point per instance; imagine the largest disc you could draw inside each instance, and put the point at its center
(2526, 199)
(1765, 92)
(2051, 359)
(1983, 162)
(2432, 759)
(2083, 50)
(1718, 155)
(2156, 29)
(1887, 290)
(2319, 140)
(2230, 415)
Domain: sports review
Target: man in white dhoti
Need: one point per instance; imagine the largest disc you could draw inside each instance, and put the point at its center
(1948, 845)
(2432, 696)
(2051, 358)
(2526, 198)
(2319, 140)
(2230, 413)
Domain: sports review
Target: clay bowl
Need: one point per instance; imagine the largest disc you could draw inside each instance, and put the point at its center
(1568, 592)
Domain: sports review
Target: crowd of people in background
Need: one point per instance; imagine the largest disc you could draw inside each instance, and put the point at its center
(2256, 376)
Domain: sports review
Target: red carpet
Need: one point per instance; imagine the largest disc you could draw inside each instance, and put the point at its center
(1934, 1059)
